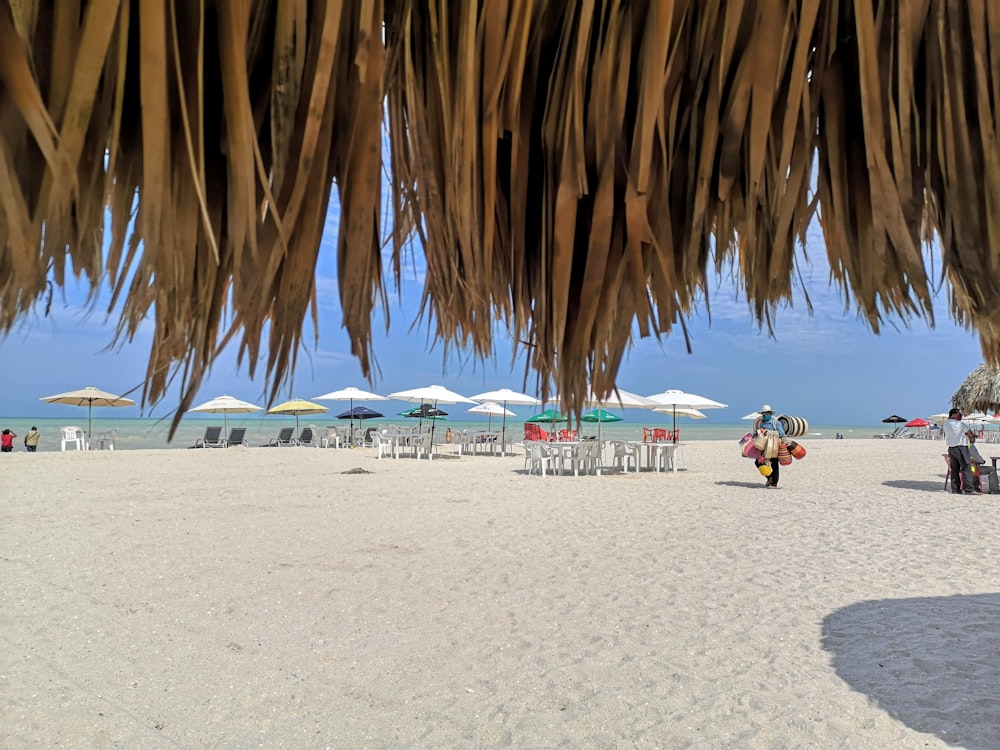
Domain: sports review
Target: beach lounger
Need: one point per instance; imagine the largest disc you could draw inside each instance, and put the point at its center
(309, 436)
(237, 436)
(211, 439)
(286, 436)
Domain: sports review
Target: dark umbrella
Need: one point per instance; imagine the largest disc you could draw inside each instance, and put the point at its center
(894, 419)
(360, 412)
(424, 411)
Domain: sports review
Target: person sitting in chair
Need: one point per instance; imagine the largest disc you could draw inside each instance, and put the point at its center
(980, 469)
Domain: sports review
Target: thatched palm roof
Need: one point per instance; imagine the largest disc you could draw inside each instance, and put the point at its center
(572, 170)
(980, 391)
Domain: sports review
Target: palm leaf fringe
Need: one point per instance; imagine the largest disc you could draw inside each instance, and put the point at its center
(573, 171)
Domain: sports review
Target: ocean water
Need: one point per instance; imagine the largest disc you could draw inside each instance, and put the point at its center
(146, 433)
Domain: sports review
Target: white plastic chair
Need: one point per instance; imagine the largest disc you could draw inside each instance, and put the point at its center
(382, 444)
(105, 439)
(422, 445)
(624, 454)
(538, 456)
(332, 437)
(73, 436)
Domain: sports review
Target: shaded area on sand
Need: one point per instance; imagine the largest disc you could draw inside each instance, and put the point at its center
(933, 663)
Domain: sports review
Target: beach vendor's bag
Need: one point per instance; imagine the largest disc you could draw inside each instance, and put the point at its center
(796, 449)
(771, 444)
(760, 442)
(749, 449)
(784, 455)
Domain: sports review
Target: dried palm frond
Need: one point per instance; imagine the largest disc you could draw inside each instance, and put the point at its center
(574, 171)
(980, 391)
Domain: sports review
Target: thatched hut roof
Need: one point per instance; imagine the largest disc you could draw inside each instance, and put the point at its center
(980, 391)
(572, 170)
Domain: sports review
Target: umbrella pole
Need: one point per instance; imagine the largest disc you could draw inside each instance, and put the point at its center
(351, 412)
(430, 449)
(503, 436)
(90, 422)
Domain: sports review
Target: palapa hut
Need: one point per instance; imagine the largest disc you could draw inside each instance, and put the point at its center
(980, 391)
(573, 171)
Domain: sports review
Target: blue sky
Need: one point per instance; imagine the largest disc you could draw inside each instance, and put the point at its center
(828, 367)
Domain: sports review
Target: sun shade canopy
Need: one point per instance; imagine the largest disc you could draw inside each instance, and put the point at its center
(543, 154)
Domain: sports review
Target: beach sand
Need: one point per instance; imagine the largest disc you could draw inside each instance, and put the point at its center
(247, 598)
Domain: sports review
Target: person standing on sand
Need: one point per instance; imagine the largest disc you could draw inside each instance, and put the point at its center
(7, 441)
(768, 422)
(957, 435)
(31, 439)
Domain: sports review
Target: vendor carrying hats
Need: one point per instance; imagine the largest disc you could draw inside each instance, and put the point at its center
(767, 421)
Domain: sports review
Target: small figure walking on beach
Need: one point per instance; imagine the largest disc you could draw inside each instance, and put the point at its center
(31, 439)
(7, 441)
(766, 421)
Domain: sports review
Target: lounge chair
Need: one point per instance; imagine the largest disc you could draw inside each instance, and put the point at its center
(211, 439)
(237, 436)
(309, 436)
(286, 436)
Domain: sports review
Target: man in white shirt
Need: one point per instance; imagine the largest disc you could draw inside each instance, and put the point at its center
(956, 435)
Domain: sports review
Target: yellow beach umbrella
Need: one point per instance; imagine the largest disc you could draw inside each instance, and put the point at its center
(297, 406)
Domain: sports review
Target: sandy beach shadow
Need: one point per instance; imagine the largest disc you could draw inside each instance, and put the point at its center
(932, 663)
(752, 485)
(916, 484)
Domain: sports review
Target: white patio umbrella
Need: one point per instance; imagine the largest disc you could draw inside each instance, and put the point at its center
(681, 412)
(506, 396)
(751, 415)
(491, 409)
(680, 400)
(431, 394)
(226, 405)
(350, 393)
(89, 397)
(618, 399)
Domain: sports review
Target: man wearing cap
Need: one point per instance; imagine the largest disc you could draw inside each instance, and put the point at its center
(957, 434)
(767, 421)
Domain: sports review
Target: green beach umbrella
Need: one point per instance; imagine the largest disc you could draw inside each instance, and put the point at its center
(549, 416)
(600, 416)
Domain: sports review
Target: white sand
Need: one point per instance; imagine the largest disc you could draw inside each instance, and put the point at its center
(261, 598)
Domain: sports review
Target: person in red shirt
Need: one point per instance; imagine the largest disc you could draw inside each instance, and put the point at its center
(7, 441)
